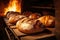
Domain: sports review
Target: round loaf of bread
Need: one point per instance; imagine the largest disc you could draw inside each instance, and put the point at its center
(11, 13)
(47, 20)
(34, 16)
(14, 19)
(29, 26)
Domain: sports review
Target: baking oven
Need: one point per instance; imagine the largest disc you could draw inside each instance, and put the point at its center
(29, 19)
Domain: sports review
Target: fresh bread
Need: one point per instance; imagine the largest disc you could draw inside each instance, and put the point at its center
(47, 20)
(14, 19)
(29, 26)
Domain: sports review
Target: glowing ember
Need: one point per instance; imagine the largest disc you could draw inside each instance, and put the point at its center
(13, 5)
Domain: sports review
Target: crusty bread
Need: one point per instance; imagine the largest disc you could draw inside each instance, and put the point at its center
(29, 26)
(34, 16)
(14, 19)
(47, 20)
(11, 13)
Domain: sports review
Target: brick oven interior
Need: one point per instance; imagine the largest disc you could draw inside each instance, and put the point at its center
(28, 7)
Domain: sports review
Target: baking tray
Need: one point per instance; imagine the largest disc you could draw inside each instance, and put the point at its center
(48, 32)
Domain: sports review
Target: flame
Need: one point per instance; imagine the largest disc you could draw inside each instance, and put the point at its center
(13, 5)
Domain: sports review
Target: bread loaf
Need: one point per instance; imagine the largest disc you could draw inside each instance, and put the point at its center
(29, 26)
(47, 20)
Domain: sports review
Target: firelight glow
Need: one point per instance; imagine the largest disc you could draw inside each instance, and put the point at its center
(13, 5)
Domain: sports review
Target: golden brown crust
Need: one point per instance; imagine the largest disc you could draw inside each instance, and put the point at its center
(14, 19)
(34, 16)
(28, 27)
(47, 20)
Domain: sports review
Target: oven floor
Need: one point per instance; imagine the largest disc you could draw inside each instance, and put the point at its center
(41, 36)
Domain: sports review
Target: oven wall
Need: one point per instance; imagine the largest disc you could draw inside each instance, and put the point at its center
(38, 6)
(57, 14)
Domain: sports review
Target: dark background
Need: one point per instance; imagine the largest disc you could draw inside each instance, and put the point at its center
(27, 5)
(41, 5)
(3, 4)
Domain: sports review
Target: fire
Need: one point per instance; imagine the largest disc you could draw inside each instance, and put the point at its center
(13, 5)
